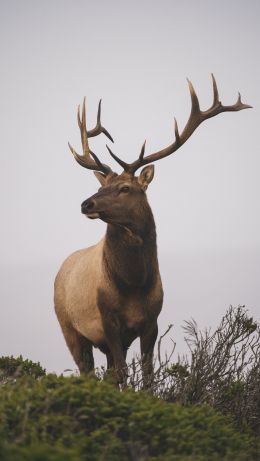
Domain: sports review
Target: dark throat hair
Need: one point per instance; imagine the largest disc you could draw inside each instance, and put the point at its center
(130, 252)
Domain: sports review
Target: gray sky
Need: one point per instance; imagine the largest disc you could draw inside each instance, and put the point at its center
(136, 56)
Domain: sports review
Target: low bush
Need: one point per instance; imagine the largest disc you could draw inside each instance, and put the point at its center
(12, 368)
(57, 418)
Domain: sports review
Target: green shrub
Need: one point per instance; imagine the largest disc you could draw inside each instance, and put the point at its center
(37, 452)
(12, 368)
(57, 418)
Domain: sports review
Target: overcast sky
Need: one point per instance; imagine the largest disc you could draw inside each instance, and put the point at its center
(136, 56)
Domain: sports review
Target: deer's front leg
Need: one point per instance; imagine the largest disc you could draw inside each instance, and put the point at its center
(148, 339)
(112, 329)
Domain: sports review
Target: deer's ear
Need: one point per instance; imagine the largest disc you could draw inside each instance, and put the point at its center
(101, 178)
(146, 176)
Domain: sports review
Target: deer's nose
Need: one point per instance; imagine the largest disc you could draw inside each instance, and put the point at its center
(87, 205)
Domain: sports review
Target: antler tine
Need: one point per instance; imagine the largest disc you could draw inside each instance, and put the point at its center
(195, 105)
(217, 106)
(123, 164)
(98, 162)
(176, 130)
(141, 156)
(99, 128)
(83, 129)
(215, 92)
(197, 116)
(86, 159)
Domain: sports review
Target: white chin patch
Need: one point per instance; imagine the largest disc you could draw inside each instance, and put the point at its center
(92, 215)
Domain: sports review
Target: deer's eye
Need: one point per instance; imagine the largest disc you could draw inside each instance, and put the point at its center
(124, 189)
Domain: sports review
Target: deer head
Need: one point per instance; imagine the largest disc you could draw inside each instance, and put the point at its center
(122, 196)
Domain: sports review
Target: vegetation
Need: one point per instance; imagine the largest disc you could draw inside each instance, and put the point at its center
(223, 370)
(11, 369)
(201, 408)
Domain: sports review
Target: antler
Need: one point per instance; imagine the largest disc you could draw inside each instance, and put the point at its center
(197, 116)
(86, 159)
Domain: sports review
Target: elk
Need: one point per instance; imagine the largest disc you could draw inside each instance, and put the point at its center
(111, 293)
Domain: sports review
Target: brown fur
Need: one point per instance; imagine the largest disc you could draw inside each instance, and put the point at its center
(110, 294)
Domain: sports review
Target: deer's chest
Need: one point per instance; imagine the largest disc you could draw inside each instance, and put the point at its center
(134, 313)
(139, 309)
(131, 311)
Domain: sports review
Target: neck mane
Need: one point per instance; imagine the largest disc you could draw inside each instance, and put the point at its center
(130, 253)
